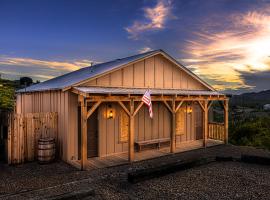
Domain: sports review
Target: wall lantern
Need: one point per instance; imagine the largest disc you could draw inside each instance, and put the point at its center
(189, 109)
(110, 112)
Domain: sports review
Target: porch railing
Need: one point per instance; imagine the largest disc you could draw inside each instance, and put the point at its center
(216, 131)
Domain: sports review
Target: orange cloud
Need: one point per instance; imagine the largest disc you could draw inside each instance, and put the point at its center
(221, 56)
(37, 68)
(154, 19)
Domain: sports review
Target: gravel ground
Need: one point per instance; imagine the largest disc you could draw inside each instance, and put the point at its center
(218, 180)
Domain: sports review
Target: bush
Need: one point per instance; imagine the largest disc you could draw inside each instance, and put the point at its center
(251, 132)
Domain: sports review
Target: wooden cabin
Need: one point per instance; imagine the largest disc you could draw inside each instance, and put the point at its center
(101, 114)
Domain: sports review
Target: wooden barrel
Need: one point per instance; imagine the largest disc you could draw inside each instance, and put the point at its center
(46, 150)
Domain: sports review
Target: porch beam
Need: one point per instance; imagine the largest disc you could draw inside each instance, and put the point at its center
(153, 98)
(226, 121)
(83, 133)
(169, 107)
(137, 109)
(179, 106)
(124, 107)
(201, 105)
(209, 105)
(131, 132)
(173, 131)
(93, 108)
(205, 135)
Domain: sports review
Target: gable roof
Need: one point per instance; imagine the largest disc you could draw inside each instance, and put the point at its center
(78, 76)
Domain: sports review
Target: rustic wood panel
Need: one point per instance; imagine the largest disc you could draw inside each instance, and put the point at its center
(180, 122)
(24, 132)
(63, 103)
(153, 72)
(150, 72)
(159, 72)
(104, 80)
(109, 131)
(116, 78)
(139, 78)
(128, 76)
(176, 79)
(168, 74)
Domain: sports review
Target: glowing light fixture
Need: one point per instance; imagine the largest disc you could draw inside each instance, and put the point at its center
(110, 112)
(189, 109)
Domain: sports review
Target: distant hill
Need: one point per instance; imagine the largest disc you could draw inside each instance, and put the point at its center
(252, 99)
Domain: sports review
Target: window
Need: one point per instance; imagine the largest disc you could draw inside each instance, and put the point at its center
(124, 126)
(180, 121)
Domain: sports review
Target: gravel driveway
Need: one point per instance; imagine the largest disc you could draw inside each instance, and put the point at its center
(218, 180)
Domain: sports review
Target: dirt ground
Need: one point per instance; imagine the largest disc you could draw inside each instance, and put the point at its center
(218, 180)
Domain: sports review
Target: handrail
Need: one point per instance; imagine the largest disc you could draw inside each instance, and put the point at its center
(216, 131)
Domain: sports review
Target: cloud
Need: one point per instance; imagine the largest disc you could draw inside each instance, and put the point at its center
(145, 49)
(14, 67)
(154, 19)
(223, 55)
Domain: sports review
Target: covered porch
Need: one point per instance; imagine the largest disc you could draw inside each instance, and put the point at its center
(122, 158)
(130, 101)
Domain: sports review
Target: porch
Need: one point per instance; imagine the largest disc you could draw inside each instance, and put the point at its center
(129, 101)
(122, 158)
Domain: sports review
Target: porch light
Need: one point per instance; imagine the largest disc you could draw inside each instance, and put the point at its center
(110, 113)
(189, 109)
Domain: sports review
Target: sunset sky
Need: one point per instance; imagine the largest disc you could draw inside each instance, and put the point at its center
(225, 42)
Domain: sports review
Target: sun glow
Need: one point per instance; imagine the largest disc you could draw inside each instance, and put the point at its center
(222, 56)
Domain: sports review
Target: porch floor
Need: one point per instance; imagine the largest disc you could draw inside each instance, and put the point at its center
(122, 158)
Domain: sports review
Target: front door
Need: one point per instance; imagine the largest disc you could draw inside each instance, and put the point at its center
(198, 122)
(92, 135)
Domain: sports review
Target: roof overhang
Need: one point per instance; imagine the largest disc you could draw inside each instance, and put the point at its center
(141, 91)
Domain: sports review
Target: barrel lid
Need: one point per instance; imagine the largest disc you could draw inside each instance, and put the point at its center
(46, 139)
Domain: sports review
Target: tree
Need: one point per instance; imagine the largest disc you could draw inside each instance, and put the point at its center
(26, 81)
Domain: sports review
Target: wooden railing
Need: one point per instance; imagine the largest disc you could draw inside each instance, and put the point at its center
(216, 131)
(24, 131)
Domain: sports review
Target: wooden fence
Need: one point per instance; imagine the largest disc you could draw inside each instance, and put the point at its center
(216, 131)
(23, 134)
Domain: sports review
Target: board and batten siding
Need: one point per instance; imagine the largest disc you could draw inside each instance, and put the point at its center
(66, 105)
(153, 72)
(145, 127)
(109, 130)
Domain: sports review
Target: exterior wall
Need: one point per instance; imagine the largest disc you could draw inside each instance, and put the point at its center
(154, 72)
(109, 130)
(156, 128)
(193, 124)
(145, 128)
(65, 104)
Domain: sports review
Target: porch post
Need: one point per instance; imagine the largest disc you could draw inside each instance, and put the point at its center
(83, 133)
(226, 121)
(205, 135)
(131, 132)
(173, 127)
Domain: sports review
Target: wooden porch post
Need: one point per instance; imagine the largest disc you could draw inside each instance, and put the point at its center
(205, 135)
(226, 121)
(83, 132)
(131, 132)
(173, 127)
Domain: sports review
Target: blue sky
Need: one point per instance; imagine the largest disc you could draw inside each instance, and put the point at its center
(226, 42)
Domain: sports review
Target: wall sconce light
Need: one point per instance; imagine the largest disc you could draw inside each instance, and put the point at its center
(189, 109)
(110, 112)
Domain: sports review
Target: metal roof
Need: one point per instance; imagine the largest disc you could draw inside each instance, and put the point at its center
(140, 91)
(75, 77)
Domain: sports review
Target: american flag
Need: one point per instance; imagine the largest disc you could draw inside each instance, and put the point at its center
(147, 100)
